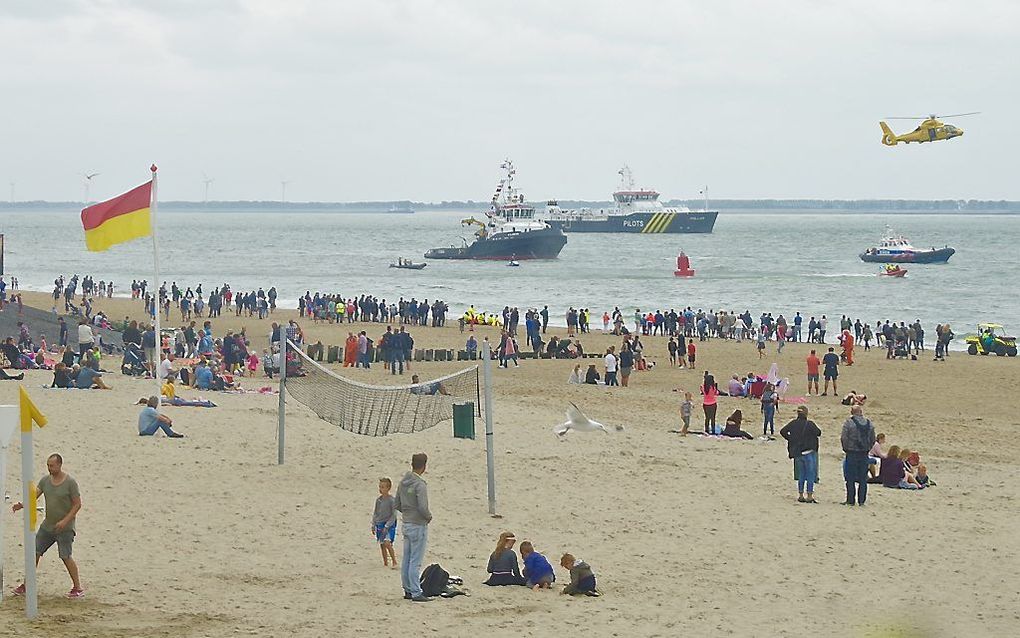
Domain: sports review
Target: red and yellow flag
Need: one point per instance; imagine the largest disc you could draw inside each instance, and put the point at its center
(118, 220)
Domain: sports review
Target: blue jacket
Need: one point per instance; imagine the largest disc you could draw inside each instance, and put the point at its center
(537, 567)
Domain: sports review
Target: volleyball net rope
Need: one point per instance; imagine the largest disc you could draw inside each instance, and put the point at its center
(378, 410)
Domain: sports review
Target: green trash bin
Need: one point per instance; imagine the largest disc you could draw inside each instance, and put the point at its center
(464, 420)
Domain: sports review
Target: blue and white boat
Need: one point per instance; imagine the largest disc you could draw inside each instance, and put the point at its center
(896, 249)
(635, 210)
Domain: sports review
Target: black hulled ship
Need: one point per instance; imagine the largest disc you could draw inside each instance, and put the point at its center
(509, 232)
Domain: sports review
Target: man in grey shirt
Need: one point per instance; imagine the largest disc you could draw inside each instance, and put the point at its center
(412, 501)
(63, 502)
(857, 437)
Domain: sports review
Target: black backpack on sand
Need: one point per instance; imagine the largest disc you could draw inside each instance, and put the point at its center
(435, 581)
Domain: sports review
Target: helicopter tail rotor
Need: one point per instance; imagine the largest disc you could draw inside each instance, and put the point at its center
(888, 137)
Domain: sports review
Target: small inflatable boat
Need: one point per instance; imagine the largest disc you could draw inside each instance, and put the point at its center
(892, 271)
(407, 264)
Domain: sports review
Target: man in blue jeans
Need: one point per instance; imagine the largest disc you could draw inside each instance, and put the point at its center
(151, 421)
(857, 438)
(412, 501)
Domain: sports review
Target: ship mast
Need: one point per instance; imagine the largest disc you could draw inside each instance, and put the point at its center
(626, 178)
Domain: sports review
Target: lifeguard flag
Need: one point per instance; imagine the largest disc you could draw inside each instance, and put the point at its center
(118, 220)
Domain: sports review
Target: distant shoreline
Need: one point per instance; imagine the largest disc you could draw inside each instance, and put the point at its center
(805, 206)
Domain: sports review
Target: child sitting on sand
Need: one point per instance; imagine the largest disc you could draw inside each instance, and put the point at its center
(875, 455)
(167, 389)
(384, 522)
(537, 570)
(582, 578)
(922, 476)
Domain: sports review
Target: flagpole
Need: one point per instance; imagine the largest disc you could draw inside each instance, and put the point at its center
(156, 283)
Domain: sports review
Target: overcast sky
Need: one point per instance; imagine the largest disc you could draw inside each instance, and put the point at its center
(421, 100)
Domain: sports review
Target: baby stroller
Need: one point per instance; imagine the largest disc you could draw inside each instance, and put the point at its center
(133, 364)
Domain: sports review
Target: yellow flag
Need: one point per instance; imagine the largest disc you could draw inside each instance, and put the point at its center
(29, 413)
(33, 512)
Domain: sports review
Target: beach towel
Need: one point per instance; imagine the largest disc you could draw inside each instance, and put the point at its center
(190, 403)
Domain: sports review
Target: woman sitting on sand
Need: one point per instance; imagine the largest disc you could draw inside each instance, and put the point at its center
(575, 376)
(591, 377)
(894, 473)
(62, 377)
(736, 387)
(503, 567)
(733, 423)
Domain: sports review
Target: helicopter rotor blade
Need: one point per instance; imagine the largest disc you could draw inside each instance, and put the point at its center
(919, 117)
(962, 114)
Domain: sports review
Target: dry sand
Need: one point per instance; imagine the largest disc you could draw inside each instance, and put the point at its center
(207, 536)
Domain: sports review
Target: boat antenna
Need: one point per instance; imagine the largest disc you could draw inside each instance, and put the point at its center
(626, 178)
(704, 192)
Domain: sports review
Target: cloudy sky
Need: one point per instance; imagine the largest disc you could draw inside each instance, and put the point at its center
(420, 99)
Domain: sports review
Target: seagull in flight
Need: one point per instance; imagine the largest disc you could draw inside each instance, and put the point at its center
(578, 422)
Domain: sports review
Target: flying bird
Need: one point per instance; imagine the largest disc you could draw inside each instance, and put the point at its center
(578, 422)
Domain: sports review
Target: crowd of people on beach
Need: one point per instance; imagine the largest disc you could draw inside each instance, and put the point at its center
(191, 355)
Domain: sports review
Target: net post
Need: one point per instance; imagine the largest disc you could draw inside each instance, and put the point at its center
(283, 396)
(489, 454)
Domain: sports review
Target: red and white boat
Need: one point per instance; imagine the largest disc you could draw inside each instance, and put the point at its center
(892, 271)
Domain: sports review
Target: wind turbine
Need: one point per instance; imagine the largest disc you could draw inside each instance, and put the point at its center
(207, 180)
(88, 182)
(283, 191)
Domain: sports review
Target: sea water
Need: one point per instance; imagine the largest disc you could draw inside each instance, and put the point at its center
(772, 262)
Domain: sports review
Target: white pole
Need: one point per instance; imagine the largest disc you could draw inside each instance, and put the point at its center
(283, 394)
(159, 308)
(489, 453)
(8, 424)
(3, 514)
(27, 483)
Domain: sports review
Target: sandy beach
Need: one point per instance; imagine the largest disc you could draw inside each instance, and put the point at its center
(207, 536)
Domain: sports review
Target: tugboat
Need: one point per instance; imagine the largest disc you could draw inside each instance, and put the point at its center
(511, 232)
(635, 211)
(896, 249)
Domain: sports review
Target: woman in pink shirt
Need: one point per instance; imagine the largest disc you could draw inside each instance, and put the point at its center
(709, 392)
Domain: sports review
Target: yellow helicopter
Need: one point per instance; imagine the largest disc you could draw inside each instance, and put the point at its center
(930, 130)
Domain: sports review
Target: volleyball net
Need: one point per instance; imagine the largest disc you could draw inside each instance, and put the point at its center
(378, 410)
